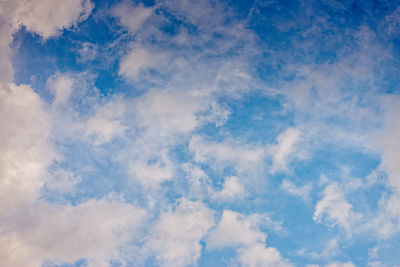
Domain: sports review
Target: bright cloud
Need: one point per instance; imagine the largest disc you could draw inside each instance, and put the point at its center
(93, 230)
(175, 238)
(210, 133)
(335, 209)
(284, 149)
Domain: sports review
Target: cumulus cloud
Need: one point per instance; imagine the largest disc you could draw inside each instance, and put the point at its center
(260, 256)
(93, 230)
(179, 80)
(248, 239)
(47, 17)
(285, 149)
(107, 122)
(168, 112)
(44, 17)
(131, 16)
(335, 209)
(151, 174)
(175, 238)
(139, 61)
(231, 190)
(245, 229)
(25, 145)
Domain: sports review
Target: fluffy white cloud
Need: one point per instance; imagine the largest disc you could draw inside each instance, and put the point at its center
(139, 61)
(93, 230)
(131, 16)
(164, 113)
(100, 122)
(231, 189)
(45, 17)
(285, 148)
(260, 256)
(247, 239)
(175, 238)
(245, 229)
(151, 174)
(107, 122)
(334, 208)
(34, 231)
(26, 150)
(48, 17)
(299, 191)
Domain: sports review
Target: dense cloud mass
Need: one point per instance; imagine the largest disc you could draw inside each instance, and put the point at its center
(199, 133)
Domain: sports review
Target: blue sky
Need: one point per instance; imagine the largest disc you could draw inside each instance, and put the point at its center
(199, 133)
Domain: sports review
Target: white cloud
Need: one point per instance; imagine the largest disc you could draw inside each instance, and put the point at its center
(24, 144)
(139, 61)
(175, 238)
(62, 86)
(388, 140)
(242, 233)
(341, 264)
(45, 17)
(228, 152)
(328, 251)
(331, 249)
(131, 16)
(151, 174)
(165, 113)
(387, 222)
(260, 256)
(93, 230)
(199, 182)
(334, 208)
(245, 229)
(107, 123)
(299, 191)
(284, 150)
(48, 17)
(101, 120)
(231, 190)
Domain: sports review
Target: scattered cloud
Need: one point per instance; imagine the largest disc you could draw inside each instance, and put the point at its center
(175, 238)
(284, 150)
(132, 16)
(231, 190)
(302, 192)
(258, 255)
(334, 209)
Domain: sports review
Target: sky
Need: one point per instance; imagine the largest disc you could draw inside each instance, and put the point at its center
(199, 133)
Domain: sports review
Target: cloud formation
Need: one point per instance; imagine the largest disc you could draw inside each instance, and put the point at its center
(210, 132)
